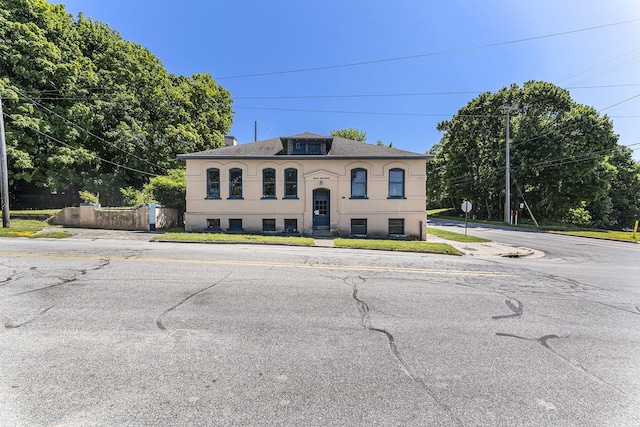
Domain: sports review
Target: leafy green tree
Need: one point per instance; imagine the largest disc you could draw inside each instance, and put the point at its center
(350, 133)
(558, 152)
(169, 190)
(90, 110)
(620, 208)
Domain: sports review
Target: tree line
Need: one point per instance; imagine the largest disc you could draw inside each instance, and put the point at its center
(87, 110)
(565, 160)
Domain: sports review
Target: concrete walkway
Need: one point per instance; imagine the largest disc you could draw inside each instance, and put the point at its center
(488, 249)
(324, 243)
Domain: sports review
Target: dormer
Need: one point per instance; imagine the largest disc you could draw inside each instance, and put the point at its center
(309, 146)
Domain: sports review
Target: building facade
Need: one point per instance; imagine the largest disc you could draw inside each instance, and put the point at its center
(307, 184)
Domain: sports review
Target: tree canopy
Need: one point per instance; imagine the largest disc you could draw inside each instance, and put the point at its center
(561, 153)
(86, 109)
(350, 133)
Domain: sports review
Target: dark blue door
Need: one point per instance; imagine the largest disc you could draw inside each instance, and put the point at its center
(321, 218)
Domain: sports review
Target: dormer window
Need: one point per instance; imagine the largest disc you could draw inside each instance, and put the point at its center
(314, 148)
(308, 147)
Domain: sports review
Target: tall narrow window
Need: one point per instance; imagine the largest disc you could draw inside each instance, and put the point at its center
(291, 183)
(235, 183)
(396, 184)
(213, 183)
(358, 183)
(268, 183)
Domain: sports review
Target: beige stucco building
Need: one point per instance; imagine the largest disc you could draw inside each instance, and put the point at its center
(307, 183)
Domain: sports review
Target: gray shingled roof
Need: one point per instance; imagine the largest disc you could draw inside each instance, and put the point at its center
(340, 148)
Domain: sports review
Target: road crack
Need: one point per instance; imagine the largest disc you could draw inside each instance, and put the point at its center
(12, 324)
(543, 341)
(9, 278)
(365, 321)
(173, 307)
(66, 280)
(517, 310)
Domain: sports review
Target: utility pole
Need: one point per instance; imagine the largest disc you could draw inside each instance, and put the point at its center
(4, 174)
(507, 185)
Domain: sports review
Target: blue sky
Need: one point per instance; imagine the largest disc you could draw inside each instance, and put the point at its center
(445, 46)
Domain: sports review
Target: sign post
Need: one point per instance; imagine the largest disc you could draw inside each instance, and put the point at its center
(466, 208)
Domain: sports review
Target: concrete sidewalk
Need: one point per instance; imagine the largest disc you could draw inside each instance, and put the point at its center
(488, 249)
(476, 249)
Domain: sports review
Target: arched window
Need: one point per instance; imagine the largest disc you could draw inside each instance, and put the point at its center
(213, 183)
(291, 183)
(358, 183)
(235, 183)
(396, 183)
(268, 183)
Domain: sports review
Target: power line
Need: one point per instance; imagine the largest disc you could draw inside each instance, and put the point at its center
(621, 102)
(76, 148)
(360, 95)
(83, 129)
(346, 112)
(560, 161)
(423, 55)
(373, 95)
(338, 96)
(595, 67)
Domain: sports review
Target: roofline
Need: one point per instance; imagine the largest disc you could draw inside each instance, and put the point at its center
(305, 157)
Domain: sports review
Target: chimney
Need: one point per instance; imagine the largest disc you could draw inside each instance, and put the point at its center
(230, 140)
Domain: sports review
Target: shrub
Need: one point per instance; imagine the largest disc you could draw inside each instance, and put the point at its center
(88, 197)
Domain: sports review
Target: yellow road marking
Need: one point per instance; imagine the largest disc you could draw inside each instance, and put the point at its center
(264, 264)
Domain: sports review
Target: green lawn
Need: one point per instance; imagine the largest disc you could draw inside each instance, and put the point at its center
(41, 214)
(398, 245)
(456, 237)
(29, 228)
(233, 238)
(604, 234)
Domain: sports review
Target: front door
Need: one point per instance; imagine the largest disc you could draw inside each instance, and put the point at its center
(321, 218)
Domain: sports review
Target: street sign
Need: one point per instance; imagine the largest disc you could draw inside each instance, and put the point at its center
(466, 208)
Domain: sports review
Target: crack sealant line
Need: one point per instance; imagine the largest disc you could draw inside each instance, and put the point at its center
(543, 342)
(9, 324)
(65, 281)
(173, 307)
(363, 308)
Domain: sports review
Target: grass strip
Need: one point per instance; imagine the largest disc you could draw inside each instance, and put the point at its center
(51, 235)
(398, 245)
(456, 237)
(29, 228)
(233, 238)
(603, 234)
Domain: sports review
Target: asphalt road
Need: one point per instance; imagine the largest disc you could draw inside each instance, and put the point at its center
(595, 261)
(137, 333)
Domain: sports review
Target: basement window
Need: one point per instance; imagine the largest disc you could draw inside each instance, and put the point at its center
(291, 225)
(396, 226)
(235, 224)
(359, 227)
(268, 225)
(213, 223)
